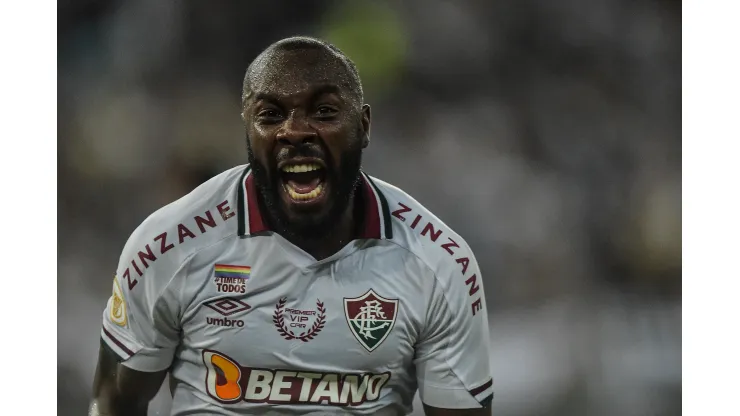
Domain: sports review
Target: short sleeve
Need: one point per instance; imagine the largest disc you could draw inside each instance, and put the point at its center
(452, 356)
(141, 320)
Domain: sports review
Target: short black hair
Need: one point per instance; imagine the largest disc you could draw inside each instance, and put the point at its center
(295, 43)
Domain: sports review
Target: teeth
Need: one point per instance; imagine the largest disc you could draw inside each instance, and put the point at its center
(308, 167)
(295, 195)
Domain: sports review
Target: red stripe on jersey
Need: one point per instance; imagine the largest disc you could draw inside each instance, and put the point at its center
(119, 343)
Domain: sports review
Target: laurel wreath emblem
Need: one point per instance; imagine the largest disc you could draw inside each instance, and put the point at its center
(318, 325)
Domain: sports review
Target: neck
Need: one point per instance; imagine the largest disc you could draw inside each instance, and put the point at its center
(334, 240)
(327, 244)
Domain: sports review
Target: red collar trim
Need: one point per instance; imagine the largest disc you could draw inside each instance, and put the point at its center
(256, 223)
(374, 209)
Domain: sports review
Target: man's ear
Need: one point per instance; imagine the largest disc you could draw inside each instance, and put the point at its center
(365, 125)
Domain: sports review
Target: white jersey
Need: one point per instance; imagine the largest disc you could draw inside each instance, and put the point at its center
(247, 323)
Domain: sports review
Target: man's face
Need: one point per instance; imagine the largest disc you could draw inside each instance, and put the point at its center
(305, 135)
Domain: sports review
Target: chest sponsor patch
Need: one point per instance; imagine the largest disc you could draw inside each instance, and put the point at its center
(228, 382)
(230, 278)
(370, 318)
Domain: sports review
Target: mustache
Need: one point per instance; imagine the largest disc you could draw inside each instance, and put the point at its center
(305, 150)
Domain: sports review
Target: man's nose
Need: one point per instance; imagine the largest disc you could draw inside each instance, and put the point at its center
(296, 131)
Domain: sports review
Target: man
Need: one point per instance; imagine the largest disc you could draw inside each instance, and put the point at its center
(296, 284)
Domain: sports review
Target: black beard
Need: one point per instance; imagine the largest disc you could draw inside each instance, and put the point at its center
(311, 227)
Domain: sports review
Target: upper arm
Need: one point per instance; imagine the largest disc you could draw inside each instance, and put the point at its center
(452, 355)
(140, 329)
(141, 322)
(119, 390)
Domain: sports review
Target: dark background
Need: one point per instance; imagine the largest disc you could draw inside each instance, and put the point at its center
(547, 133)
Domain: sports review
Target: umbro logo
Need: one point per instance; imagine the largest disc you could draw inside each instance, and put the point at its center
(226, 322)
(226, 307)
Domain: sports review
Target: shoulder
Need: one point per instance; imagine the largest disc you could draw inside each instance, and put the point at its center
(173, 233)
(457, 278)
(418, 230)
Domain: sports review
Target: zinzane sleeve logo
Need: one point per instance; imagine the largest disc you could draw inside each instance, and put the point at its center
(118, 313)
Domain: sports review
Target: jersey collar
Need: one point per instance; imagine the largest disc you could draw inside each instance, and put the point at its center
(377, 213)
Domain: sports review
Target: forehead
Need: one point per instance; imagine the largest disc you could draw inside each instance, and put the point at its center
(292, 73)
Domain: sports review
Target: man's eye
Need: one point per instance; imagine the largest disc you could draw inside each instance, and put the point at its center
(269, 113)
(326, 111)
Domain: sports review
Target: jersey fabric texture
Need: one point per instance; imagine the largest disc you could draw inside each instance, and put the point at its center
(248, 323)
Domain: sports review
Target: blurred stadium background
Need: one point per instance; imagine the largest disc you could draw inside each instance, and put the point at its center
(545, 132)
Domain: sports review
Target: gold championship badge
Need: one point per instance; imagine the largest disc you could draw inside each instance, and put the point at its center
(118, 305)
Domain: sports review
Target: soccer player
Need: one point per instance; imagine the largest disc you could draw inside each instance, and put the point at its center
(296, 284)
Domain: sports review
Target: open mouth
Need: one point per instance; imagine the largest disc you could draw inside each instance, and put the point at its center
(303, 182)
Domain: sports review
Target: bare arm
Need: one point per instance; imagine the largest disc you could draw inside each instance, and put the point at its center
(121, 391)
(433, 411)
